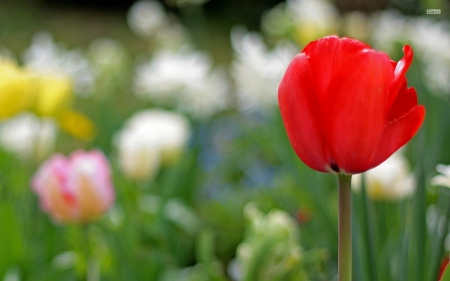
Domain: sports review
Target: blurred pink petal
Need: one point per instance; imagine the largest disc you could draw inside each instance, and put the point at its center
(75, 189)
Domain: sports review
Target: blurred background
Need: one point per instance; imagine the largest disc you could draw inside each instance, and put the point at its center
(181, 98)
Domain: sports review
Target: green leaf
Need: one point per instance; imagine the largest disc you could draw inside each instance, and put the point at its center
(205, 246)
(11, 249)
(446, 274)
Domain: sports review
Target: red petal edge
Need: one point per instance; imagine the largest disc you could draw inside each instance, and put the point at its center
(298, 106)
(399, 74)
(398, 133)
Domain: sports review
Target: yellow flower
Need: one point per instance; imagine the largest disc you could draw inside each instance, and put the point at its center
(16, 89)
(46, 95)
(54, 95)
(54, 98)
(77, 124)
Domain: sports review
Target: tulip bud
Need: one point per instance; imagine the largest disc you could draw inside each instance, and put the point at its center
(270, 247)
(151, 138)
(76, 189)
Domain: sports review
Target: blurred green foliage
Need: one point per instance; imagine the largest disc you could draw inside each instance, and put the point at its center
(188, 222)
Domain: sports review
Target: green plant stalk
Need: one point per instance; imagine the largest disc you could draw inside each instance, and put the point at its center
(345, 228)
(91, 273)
(441, 233)
(369, 232)
(420, 210)
(359, 256)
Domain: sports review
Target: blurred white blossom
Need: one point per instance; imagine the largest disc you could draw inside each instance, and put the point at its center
(321, 12)
(304, 20)
(46, 57)
(172, 36)
(387, 27)
(184, 79)
(149, 20)
(12, 274)
(65, 260)
(391, 180)
(256, 70)
(429, 38)
(105, 52)
(444, 178)
(112, 64)
(151, 138)
(356, 25)
(432, 41)
(28, 136)
(146, 17)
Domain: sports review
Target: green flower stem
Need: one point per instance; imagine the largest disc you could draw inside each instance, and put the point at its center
(91, 271)
(345, 228)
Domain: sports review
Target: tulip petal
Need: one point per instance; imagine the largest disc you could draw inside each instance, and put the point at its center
(299, 110)
(326, 55)
(405, 101)
(353, 110)
(398, 133)
(91, 174)
(399, 73)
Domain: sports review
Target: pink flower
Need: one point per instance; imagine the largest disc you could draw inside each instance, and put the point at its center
(75, 189)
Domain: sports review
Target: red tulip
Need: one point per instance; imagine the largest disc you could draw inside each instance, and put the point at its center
(346, 107)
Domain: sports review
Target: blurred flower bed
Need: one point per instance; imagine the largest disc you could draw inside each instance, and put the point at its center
(166, 163)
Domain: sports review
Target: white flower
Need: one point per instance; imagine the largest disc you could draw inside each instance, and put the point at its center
(387, 27)
(45, 57)
(150, 138)
(444, 178)
(185, 79)
(171, 36)
(257, 71)
(356, 25)
(430, 40)
(320, 12)
(28, 136)
(105, 52)
(390, 181)
(110, 61)
(304, 20)
(431, 37)
(146, 17)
